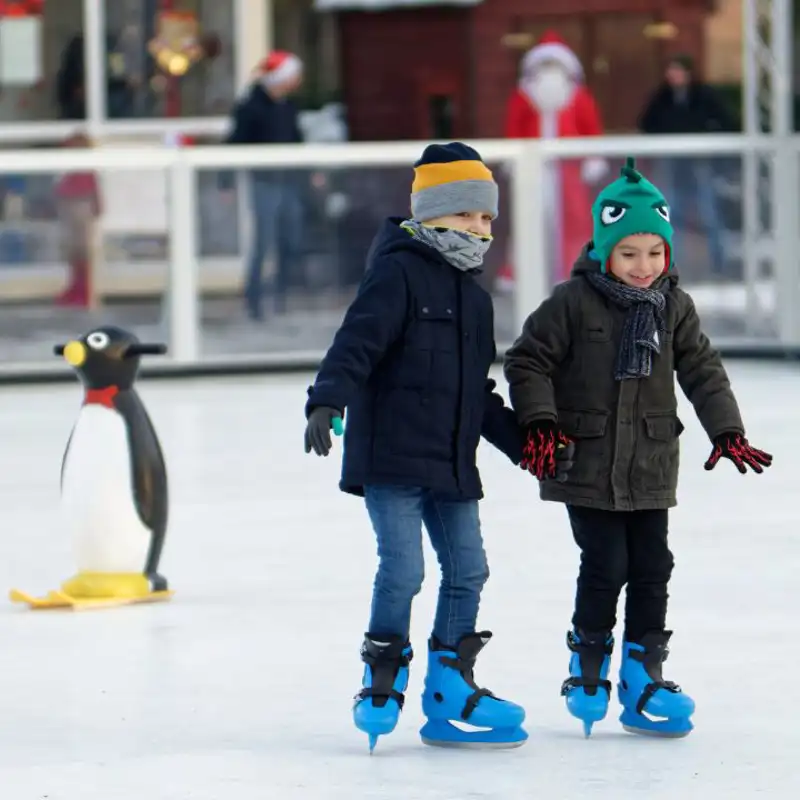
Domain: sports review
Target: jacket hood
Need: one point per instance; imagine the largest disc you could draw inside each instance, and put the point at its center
(391, 239)
(587, 263)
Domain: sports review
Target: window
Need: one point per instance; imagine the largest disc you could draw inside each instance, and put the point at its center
(138, 31)
(312, 35)
(51, 98)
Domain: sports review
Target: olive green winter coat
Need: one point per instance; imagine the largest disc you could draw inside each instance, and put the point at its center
(626, 432)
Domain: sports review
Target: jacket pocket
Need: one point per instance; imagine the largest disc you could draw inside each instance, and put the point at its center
(592, 461)
(434, 327)
(658, 452)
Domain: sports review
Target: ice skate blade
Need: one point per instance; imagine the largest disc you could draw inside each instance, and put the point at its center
(654, 734)
(441, 733)
(57, 600)
(465, 745)
(640, 725)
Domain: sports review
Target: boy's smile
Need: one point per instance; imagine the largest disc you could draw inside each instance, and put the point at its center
(638, 260)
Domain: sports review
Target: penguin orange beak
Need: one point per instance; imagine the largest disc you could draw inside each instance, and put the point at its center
(74, 354)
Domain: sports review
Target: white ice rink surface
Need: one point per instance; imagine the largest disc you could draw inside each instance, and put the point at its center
(241, 687)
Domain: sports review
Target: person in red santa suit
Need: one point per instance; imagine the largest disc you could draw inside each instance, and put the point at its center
(552, 101)
(79, 206)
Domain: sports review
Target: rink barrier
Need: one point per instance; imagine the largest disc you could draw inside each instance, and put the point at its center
(525, 161)
(302, 364)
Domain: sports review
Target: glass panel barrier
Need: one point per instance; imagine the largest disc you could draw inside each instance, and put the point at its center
(313, 231)
(63, 272)
(707, 214)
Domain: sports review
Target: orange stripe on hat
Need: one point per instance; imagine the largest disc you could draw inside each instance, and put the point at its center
(436, 174)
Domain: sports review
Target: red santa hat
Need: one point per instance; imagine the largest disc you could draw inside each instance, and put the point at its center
(279, 66)
(552, 47)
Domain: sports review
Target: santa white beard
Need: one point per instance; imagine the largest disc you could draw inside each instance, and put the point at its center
(550, 88)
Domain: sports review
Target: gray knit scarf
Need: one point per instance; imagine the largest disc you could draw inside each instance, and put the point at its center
(644, 322)
(465, 251)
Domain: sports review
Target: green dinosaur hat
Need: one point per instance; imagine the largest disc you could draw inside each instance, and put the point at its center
(629, 205)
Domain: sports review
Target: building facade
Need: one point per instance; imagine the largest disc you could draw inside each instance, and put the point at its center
(457, 64)
(412, 69)
(122, 67)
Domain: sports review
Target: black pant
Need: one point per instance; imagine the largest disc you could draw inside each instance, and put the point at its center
(619, 547)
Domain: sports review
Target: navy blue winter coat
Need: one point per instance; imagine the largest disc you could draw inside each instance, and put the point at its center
(410, 364)
(258, 119)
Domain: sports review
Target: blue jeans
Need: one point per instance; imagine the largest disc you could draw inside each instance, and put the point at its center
(688, 186)
(397, 514)
(277, 228)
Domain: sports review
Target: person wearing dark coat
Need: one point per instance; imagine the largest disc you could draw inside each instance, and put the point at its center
(268, 115)
(409, 367)
(681, 105)
(595, 367)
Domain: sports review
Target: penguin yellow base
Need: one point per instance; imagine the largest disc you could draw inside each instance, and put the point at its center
(87, 591)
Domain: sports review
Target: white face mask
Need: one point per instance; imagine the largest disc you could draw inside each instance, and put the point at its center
(550, 88)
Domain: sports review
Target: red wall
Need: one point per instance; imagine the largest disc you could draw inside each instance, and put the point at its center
(389, 58)
(392, 59)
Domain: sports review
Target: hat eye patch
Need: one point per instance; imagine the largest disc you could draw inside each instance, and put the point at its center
(612, 213)
(662, 209)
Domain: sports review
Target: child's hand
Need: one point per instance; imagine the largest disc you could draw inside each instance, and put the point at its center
(736, 448)
(548, 451)
(318, 430)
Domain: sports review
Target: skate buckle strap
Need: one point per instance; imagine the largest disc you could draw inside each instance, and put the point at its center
(591, 651)
(652, 659)
(402, 660)
(651, 689)
(586, 683)
(374, 692)
(466, 667)
(385, 664)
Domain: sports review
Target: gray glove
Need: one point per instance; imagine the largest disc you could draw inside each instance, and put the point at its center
(318, 429)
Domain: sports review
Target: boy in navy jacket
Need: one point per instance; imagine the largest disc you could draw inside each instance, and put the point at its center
(410, 364)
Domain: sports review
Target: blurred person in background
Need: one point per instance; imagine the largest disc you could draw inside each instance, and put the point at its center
(552, 101)
(682, 104)
(70, 88)
(79, 206)
(268, 115)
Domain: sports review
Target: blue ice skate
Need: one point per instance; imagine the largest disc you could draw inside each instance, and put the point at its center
(652, 705)
(378, 705)
(451, 695)
(588, 689)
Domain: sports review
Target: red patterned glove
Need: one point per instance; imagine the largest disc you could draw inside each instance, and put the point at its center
(548, 451)
(736, 448)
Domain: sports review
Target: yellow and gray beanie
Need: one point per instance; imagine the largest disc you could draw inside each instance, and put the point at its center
(452, 179)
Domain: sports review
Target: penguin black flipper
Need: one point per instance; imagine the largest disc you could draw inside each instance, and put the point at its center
(64, 458)
(149, 473)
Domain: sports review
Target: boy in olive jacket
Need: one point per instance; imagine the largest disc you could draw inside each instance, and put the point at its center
(594, 370)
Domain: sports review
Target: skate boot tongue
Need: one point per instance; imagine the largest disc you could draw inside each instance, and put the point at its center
(470, 646)
(383, 648)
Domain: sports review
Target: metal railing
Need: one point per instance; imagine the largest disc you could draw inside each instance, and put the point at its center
(768, 252)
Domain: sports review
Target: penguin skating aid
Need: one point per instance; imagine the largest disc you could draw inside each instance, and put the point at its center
(113, 482)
